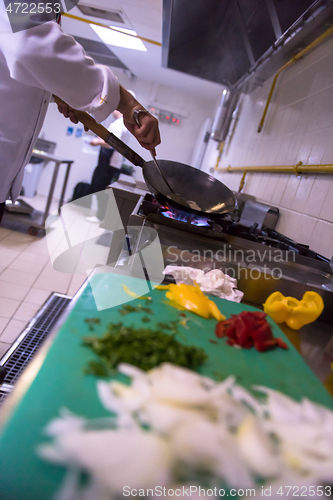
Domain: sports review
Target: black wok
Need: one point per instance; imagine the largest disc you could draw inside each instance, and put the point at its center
(202, 192)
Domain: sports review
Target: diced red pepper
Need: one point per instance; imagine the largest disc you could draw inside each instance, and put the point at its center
(247, 329)
(281, 344)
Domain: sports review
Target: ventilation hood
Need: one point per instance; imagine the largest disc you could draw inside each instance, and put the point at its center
(110, 15)
(239, 43)
(100, 52)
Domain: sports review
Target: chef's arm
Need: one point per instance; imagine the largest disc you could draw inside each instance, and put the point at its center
(46, 58)
(147, 134)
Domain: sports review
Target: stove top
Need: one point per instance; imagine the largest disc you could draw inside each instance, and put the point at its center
(218, 227)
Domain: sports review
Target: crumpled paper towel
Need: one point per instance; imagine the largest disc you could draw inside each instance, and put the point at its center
(214, 282)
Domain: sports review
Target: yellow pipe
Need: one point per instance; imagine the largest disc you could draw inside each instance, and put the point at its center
(261, 124)
(83, 20)
(295, 58)
(242, 182)
(221, 146)
(288, 169)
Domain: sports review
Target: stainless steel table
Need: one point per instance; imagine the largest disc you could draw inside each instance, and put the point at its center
(36, 219)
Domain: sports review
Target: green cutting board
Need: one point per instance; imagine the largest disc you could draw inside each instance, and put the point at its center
(61, 381)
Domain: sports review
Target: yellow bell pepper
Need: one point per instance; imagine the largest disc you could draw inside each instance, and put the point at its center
(135, 295)
(191, 298)
(295, 313)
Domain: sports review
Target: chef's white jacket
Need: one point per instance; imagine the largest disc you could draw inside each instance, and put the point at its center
(34, 64)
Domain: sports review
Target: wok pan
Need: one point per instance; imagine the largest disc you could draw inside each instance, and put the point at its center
(203, 192)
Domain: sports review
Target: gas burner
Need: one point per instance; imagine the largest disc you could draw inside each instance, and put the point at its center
(184, 216)
(219, 228)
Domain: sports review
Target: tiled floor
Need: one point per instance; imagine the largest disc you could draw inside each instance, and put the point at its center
(27, 277)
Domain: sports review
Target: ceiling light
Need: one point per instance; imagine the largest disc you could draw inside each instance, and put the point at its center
(127, 38)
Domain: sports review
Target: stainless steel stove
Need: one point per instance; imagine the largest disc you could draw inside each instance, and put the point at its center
(262, 260)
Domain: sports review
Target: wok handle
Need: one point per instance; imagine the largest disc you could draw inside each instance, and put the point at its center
(108, 137)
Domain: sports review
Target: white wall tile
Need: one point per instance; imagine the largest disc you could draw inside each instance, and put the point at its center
(291, 222)
(322, 138)
(261, 192)
(305, 229)
(272, 125)
(326, 212)
(257, 178)
(280, 185)
(322, 237)
(305, 147)
(290, 92)
(302, 193)
(317, 101)
(280, 131)
(290, 191)
(280, 158)
(328, 153)
(327, 108)
(294, 117)
(270, 187)
(249, 183)
(298, 127)
(320, 188)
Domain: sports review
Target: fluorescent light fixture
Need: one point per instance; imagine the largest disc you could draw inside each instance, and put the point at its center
(118, 39)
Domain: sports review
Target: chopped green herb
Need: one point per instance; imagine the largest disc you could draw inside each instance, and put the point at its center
(127, 308)
(171, 325)
(142, 347)
(98, 368)
(94, 321)
(145, 319)
(147, 310)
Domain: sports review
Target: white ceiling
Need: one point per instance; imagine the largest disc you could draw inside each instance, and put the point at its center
(145, 17)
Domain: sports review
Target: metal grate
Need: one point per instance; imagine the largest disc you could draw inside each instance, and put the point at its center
(31, 339)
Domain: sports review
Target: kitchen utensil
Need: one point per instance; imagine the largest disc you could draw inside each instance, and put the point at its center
(202, 192)
(174, 197)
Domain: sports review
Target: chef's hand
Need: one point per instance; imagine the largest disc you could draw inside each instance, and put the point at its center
(68, 112)
(148, 134)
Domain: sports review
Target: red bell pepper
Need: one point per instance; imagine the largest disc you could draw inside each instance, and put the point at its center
(247, 329)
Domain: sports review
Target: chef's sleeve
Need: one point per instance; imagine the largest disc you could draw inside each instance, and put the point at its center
(46, 58)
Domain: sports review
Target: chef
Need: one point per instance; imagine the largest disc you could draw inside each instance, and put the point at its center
(37, 63)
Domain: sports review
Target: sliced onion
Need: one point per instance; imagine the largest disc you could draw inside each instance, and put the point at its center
(256, 448)
(119, 458)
